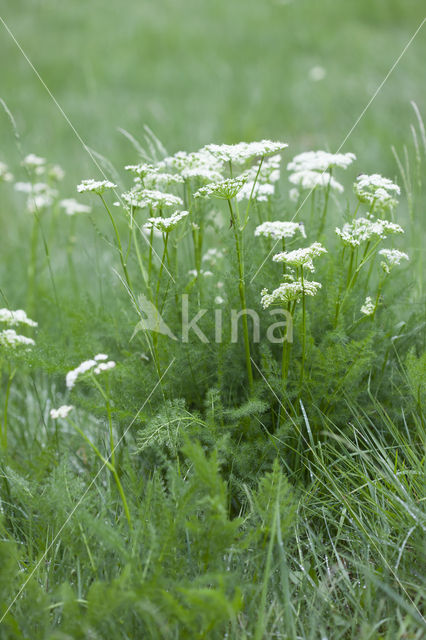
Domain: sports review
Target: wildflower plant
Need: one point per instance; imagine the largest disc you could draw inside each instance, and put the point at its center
(203, 481)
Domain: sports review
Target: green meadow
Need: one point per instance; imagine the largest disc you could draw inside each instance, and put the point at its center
(212, 353)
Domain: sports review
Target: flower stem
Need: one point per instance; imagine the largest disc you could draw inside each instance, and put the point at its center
(242, 291)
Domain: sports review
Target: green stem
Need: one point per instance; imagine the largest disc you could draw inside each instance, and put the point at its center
(324, 212)
(11, 374)
(302, 371)
(32, 267)
(242, 292)
(120, 248)
(110, 466)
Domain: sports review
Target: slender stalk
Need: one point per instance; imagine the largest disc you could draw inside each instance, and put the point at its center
(120, 248)
(110, 466)
(32, 267)
(302, 371)
(3, 434)
(242, 292)
(324, 211)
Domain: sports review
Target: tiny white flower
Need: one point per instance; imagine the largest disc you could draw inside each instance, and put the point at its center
(34, 163)
(56, 173)
(104, 366)
(362, 229)
(95, 365)
(95, 186)
(279, 229)
(166, 224)
(12, 318)
(368, 307)
(9, 338)
(392, 257)
(5, 175)
(308, 180)
(320, 161)
(301, 257)
(242, 152)
(61, 412)
(316, 74)
(219, 300)
(294, 194)
(71, 207)
(376, 191)
(288, 292)
(152, 198)
(225, 189)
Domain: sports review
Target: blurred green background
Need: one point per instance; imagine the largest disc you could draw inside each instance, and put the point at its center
(218, 70)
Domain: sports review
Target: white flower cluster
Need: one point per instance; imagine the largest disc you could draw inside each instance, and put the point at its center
(307, 179)
(320, 161)
(141, 170)
(160, 180)
(376, 191)
(12, 318)
(198, 164)
(242, 152)
(166, 224)
(95, 186)
(225, 189)
(301, 257)
(261, 179)
(71, 207)
(9, 338)
(368, 307)
(363, 229)
(61, 412)
(151, 198)
(5, 175)
(212, 256)
(96, 365)
(40, 195)
(392, 257)
(311, 169)
(280, 229)
(288, 292)
(34, 163)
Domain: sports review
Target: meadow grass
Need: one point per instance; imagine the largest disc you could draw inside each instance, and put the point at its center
(234, 488)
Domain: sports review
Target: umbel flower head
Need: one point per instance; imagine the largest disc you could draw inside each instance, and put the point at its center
(376, 191)
(392, 257)
(289, 292)
(224, 190)
(5, 175)
(71, 207)
(152, 198)
(166, 224)
(368, 307)
(96, 365)
(13, 318)
(141, 170)
(308, 180)
(34, 164)
(61, 412)
(363, 229)
(12, 340)
(242, 152)
(95, 186)
(261, 179)
(161, 180)
(301, 257)
(320, 161)
(196, 165)
(279, 229)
